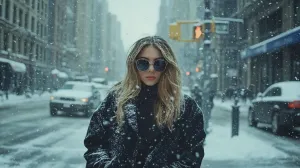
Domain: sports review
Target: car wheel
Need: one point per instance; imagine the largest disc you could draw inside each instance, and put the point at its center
(53, 111)
(251, 120)
(276, 128)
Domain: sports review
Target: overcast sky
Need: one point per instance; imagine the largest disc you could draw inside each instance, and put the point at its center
(138, 18)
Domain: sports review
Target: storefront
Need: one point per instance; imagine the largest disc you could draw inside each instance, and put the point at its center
(12, 76)
(273, 60)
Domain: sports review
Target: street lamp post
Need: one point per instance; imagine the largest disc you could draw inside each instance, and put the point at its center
(207, 64)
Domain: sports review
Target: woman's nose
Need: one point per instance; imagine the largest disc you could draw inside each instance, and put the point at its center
(151, 68)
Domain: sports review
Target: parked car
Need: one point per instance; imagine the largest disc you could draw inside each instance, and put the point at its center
(75, 97)
(278, 106)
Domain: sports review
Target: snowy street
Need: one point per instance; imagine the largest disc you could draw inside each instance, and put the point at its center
(31, 138)
(254, 147)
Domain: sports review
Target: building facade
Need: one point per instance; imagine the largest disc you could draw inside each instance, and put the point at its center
(98, 39)
(23, 41)
(225, 49)
(271, 42)
(186, 53)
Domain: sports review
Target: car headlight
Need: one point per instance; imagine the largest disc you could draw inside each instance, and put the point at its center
(52, 98)
(85, 100)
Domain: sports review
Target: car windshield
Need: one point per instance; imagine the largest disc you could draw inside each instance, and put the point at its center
(77, 87)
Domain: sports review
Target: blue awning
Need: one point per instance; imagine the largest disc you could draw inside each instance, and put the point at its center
(284, 39)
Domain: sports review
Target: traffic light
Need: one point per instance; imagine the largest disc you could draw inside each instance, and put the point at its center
(188, 73)
(106, 69)
(213, 26)
(198, 69)
(174, 31)
(198, 32)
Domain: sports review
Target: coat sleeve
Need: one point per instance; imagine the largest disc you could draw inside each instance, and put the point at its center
(194, 136)
(96, 140)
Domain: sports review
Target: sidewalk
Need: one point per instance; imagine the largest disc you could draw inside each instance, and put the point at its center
(244, 150)
(15, 99)
(227, 106)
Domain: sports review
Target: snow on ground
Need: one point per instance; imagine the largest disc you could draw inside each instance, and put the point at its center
(58, 148)
(220, 146)
(15, 99)
(227, 106)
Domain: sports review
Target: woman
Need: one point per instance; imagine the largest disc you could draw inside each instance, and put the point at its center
(145, 121)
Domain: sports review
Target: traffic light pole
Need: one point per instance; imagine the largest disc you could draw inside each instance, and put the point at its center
(206, 104)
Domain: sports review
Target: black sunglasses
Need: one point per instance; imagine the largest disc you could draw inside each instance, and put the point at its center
(158, 65)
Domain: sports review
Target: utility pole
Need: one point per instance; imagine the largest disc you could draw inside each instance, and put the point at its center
(206, 104)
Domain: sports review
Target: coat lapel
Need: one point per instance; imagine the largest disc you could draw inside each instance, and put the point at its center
(130, 112)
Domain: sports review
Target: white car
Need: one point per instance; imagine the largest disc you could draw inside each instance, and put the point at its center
(102, 81)
(75, 97)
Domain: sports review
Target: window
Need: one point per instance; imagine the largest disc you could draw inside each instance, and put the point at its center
(297, 12)
(20, 17)
(276, 91)
(15, 14)
(45, 31)
(5, 40)
(32, 24)
(45, 53)
(38, 6)
(38, 28)
(46, 10)
(26, 20)
(19, 45)
(1, 8)
(25, 47)
(33, 4)
(37, 52)
(7, 5)
(1, 37)
(42, 29)
(42, 8)
(31, 48)
(41, 53)
(14, 44)
(270, 25)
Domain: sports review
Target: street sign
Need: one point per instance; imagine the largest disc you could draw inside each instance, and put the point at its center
(222, 27)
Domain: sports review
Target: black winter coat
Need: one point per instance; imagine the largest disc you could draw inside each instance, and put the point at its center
(109, 147)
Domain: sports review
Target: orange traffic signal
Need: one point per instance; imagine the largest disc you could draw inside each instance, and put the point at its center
(197, 32)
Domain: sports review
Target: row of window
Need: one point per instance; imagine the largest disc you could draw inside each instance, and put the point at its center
(23, 19)
(22, 46)
(41, 6)
(270, 25)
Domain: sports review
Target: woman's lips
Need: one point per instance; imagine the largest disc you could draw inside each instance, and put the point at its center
(151, 77)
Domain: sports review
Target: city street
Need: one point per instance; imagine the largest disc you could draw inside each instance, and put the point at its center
(31, 138)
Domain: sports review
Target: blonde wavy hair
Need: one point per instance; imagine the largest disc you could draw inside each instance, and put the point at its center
(167, 107)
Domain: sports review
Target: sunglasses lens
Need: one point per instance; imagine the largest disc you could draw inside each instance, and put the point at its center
(142, 65)
(160, 65)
